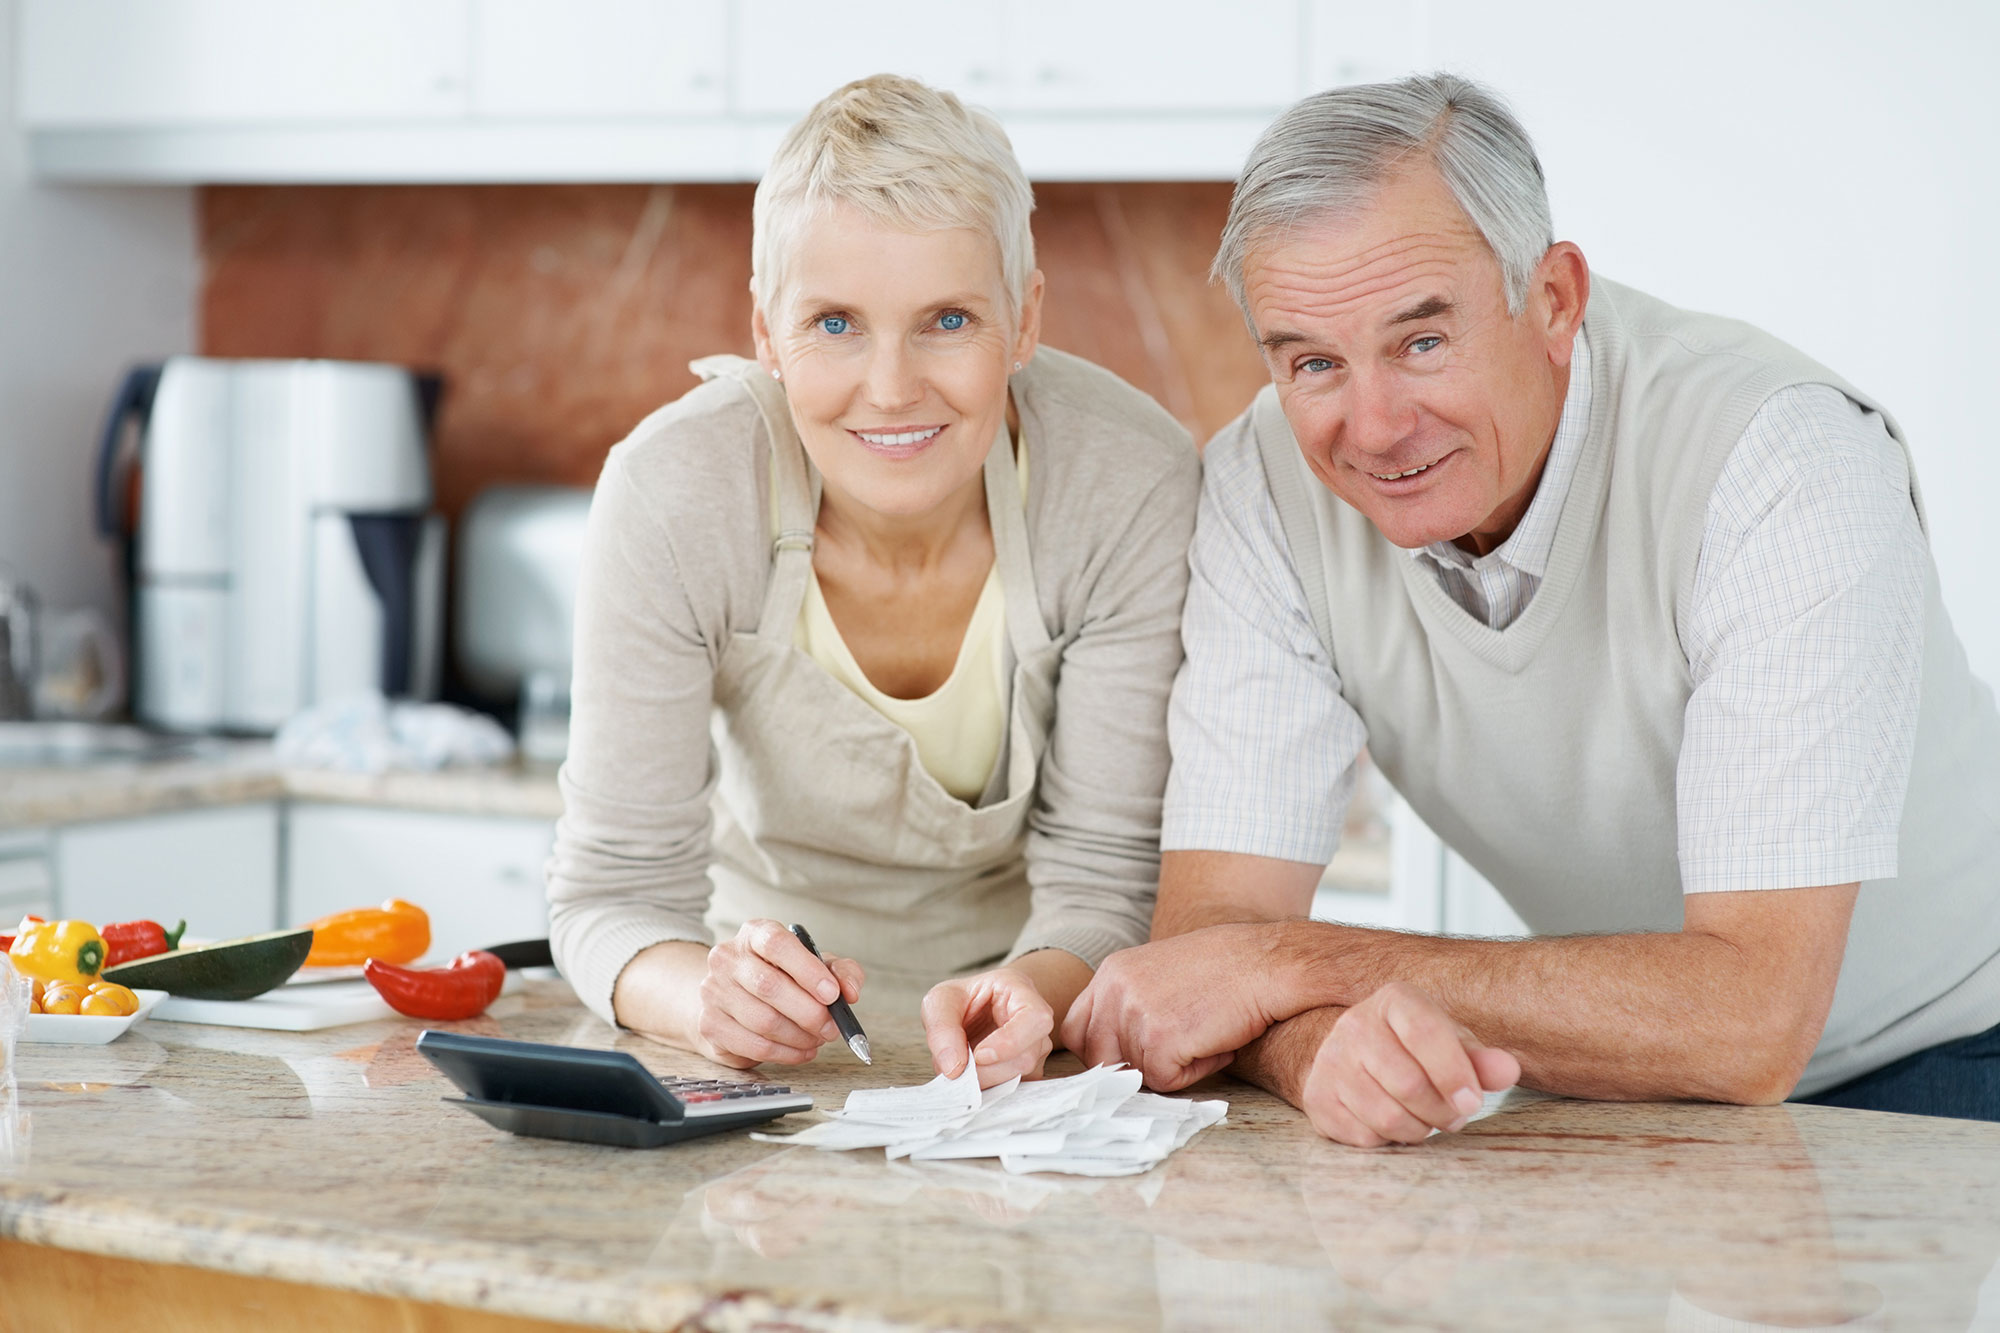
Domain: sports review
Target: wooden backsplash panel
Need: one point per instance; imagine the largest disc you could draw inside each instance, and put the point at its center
(562, 314)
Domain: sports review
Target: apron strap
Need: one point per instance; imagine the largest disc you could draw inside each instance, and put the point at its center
(1026, 632)
(796, 488)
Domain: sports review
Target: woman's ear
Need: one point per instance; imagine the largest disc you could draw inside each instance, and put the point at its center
(1030, 336)
(760, 334)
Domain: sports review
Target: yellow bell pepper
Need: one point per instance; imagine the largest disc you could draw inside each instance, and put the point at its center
(58, 950)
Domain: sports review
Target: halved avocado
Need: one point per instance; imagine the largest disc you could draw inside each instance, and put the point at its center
(226, 970)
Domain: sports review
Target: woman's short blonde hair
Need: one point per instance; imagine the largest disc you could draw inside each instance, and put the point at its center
(905, 154)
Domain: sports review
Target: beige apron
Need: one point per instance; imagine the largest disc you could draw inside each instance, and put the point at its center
(824, 814)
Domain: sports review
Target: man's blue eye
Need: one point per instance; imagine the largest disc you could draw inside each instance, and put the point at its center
(1425, 344)
(833, 324)
(951, 321)
(1315, 364)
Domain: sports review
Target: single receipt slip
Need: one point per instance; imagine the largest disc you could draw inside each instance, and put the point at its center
(1096, 1123)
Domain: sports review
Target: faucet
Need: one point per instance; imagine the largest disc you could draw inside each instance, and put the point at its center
(18, 648)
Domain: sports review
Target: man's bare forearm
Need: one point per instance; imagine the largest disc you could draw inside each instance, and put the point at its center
(1279, 1060)
(1728, 1009)
(1688, 1014)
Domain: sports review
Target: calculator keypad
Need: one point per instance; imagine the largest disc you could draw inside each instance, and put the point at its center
(714, 1094)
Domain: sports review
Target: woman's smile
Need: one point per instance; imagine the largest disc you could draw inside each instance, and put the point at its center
(898, 441)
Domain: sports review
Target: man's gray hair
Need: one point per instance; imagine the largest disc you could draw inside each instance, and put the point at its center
(1329, 153)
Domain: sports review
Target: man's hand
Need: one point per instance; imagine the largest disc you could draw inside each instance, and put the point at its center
(1397, 1066)
(1176, 1009)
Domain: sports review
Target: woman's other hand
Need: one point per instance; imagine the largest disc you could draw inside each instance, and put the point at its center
(998, 1019)
(765, 998)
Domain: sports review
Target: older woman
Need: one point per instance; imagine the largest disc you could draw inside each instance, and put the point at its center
(875, 633)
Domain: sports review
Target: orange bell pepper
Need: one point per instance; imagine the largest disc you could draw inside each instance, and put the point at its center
(395, 932)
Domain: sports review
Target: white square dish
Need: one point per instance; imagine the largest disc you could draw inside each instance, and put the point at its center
(88, 1029)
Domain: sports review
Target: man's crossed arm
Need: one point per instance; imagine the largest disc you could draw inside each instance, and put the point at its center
(1382, 1036)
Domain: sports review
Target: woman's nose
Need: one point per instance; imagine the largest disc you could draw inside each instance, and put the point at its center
(892, 380)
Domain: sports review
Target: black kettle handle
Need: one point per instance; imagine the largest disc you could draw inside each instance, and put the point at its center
(134, 398)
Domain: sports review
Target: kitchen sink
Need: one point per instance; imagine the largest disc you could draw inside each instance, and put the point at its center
(79, 744)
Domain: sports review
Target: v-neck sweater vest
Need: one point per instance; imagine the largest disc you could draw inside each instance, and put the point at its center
(1546, 753)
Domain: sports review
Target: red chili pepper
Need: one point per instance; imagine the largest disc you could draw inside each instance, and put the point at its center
(461, 989)
(127, 940)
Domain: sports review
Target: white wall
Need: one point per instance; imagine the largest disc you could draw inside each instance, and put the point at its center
(1826, 169)
(92, 280)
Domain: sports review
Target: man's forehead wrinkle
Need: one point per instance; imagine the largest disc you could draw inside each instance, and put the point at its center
(1309, 301)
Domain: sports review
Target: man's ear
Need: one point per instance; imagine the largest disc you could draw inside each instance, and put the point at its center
(1558, 294)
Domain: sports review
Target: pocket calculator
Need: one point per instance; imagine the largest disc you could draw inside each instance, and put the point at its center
(593, 1096)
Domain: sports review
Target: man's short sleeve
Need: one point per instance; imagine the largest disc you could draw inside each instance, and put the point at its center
(1805, 641)
(1263, 744)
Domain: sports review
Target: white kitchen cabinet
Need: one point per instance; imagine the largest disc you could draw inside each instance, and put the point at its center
(27, 882)
(787, 55)
(198, 91)
(1170, 55)
(478, 876)
(193, 62)
(217, 868)
(1364, 41)
(582, 58)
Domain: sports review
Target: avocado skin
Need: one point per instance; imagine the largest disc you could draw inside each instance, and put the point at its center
(228, 970)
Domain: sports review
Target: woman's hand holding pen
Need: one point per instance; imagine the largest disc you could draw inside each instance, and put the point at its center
(765, 997)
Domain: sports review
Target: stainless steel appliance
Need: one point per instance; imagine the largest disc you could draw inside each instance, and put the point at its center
(284, 552)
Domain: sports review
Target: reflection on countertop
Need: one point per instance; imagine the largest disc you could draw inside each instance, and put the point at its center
(235, 772)
(327, 1158)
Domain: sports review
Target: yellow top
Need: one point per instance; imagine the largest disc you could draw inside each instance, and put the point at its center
(958, 727)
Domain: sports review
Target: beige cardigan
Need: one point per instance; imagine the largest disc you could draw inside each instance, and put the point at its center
(677, 561)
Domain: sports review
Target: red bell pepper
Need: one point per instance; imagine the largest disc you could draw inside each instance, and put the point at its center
(461, 989)
(127, 940)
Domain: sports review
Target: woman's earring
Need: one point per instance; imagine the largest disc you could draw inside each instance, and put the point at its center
(777, 374)
(1017, 367)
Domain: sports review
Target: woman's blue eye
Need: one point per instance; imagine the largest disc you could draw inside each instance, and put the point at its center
(951, 321)
(834, 324)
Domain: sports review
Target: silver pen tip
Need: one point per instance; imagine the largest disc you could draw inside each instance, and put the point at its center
(859, 1045)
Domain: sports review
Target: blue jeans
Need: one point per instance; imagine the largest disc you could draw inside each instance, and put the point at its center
(1959, 1079)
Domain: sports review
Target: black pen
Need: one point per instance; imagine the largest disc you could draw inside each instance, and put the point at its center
(843, 1017)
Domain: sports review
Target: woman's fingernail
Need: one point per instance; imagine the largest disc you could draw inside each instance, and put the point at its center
(986, 1057)
(1467, 1101)
(1457, 1125)
(828, 992)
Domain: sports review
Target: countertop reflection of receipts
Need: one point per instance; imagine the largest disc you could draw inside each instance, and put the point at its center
(1096, 1123)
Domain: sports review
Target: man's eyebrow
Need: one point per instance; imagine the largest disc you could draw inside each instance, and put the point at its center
(1429, 308)
(1271, 342)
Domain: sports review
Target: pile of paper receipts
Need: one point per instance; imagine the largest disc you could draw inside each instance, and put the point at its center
(1096, 1123)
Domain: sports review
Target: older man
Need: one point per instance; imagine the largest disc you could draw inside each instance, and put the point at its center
(1633, 605)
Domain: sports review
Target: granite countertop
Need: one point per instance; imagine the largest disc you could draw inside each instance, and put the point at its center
(244, 771)
(327, 1158)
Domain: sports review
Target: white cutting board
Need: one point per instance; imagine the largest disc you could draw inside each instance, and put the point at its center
(327, 1004)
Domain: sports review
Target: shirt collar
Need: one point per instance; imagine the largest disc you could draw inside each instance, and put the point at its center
(1527, 548)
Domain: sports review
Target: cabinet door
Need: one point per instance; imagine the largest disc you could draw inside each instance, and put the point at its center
(1363, 41)
(599, 57)
(787, 55)
(1172, 55)
(216, 868)
(478, 876)
(27, 884)
(189, 62)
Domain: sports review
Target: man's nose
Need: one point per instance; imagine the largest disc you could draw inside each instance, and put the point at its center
(1379, 414)
(892, 379)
